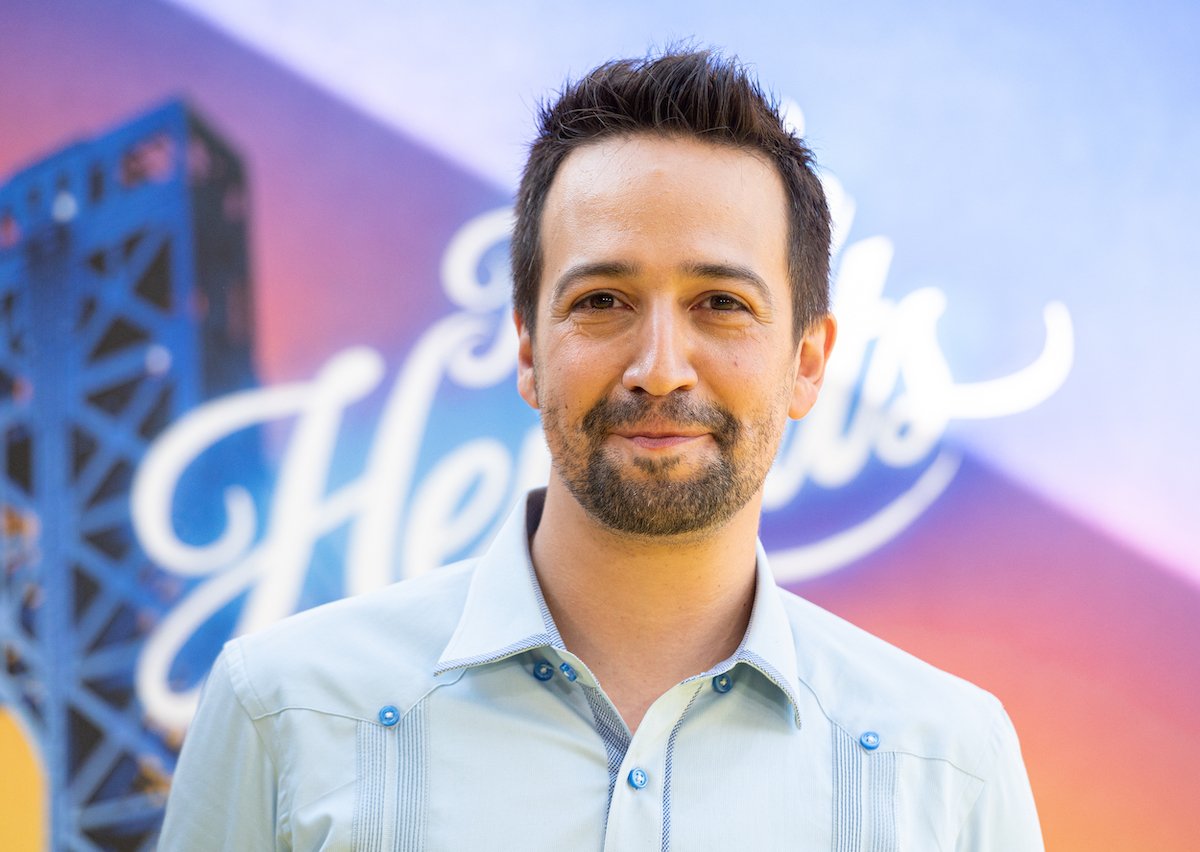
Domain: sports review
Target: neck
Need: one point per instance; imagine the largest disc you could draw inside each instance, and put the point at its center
(644, 613)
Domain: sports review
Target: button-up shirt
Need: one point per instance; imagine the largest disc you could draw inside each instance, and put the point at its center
(445, 713)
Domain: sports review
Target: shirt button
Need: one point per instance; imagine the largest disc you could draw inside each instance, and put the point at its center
(388, 716)
(543, 670)
(568, 672)
(722, 683)
(869, 740)
(638, 778)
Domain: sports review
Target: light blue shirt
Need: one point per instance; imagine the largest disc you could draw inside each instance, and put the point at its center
(444, 713)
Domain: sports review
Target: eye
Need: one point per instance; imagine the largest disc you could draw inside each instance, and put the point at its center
(597, 302)
(723, 302)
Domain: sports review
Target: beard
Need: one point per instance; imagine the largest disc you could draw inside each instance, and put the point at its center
(654, 500)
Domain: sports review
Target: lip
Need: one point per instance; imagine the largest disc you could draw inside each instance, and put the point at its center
(653, 439)
(657, 442)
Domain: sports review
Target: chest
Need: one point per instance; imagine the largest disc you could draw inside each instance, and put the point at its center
(491, 764)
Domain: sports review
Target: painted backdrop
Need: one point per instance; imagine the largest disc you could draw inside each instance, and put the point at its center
(255, 355)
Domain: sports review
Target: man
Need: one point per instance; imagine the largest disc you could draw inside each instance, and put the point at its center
(619, 670)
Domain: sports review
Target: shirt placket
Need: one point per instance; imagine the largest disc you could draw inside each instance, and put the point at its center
(639, 812)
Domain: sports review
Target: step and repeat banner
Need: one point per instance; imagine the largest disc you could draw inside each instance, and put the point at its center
(256, 354)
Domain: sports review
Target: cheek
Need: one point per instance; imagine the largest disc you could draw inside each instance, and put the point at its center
(759, 392)
(744, 374)
(560, 389)
(578, 369)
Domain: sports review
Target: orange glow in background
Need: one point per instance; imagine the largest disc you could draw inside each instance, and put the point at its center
(22, 789)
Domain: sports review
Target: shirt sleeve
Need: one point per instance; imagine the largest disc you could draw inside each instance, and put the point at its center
(223, 794)
(1004, 817)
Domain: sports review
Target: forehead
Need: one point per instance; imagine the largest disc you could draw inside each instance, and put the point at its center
(657, 202)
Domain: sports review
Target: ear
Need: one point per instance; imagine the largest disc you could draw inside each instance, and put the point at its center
(811, 358)
(526, 381)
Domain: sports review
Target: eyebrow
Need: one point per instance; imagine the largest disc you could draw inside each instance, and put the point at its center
(734, 271)
(600, 269)
(621, 269)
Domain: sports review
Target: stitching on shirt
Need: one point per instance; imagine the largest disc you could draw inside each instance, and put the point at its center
(914, 755)
(847, 786)
(883, 802)
(413, 779)
(410, 777)
(772, 674)
(370, 762)
(539, 640)
(279, 711)
(533, 507)
(613, 733)
(555, 640)
(666, 793)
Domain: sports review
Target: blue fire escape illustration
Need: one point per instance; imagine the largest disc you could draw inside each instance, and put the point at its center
(125, 301)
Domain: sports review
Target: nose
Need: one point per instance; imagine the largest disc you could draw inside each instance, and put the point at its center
(662, 361)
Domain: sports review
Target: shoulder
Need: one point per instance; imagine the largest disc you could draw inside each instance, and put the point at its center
(352, 656)
(863, 683)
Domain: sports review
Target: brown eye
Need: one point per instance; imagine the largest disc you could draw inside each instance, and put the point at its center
(598, 302)
(723, 302)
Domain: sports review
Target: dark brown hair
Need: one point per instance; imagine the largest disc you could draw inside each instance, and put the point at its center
(696, 94)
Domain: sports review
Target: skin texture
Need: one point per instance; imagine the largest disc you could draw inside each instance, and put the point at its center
(665, 368)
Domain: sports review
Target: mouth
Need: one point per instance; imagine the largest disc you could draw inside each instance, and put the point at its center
(658, 438)
(655, 427)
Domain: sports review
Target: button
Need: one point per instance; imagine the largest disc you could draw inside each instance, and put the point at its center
(543, 670)
(722, 683)
(638, 778)
(568, 672)
(389, 716)
(869, 740)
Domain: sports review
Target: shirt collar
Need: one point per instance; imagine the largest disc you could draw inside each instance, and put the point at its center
(505, 614)
(769, 645)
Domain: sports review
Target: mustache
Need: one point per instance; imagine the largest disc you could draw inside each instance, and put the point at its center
(677, 409)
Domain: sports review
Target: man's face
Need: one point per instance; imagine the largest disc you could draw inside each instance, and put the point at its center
(665, 364)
